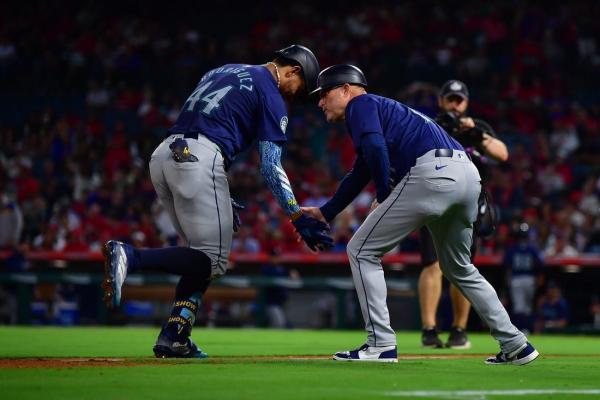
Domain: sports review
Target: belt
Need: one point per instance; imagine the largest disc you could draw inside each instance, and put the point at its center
(194, 135)
(444, 153)
(191, 135)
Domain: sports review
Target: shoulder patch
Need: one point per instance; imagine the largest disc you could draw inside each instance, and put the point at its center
(283, 124)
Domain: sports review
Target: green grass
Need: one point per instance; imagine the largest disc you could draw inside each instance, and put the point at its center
(568, 363)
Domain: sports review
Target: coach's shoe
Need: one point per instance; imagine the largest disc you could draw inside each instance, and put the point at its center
(524, 355)
(116, 264)
(458, 339)
(173, 347)
(429, 338)
(369, 353)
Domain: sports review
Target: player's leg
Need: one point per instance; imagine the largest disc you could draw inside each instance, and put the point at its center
(389, 223)
(203, 210)
(121, 258)
(203, 204)
(174, 338)
(521, 293)
(452, 234)
(458, 339)
(461, 307)
(430, 290)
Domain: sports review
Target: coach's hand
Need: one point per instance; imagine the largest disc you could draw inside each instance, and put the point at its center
(313, 232)
(236, 208)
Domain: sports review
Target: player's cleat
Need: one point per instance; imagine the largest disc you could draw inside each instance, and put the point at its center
(524, 355)
(458, 339)
(429, 338)
(116, 263)
(369, 353)
(167, 347)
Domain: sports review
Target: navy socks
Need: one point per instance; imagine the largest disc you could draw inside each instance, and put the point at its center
(188, 295)
(173, 260)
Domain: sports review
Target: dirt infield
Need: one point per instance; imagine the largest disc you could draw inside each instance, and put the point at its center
(76, 362)
(15, 363)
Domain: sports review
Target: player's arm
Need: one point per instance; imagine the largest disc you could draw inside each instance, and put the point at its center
(313, 232)
(352, 184)
(276, 178)
(364, 126)
(376, 156)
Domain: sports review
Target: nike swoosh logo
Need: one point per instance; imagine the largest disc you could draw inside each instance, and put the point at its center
(440, 167)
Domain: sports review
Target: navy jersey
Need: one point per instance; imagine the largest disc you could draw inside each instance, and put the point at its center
(523, 259)
(408, 133)
(233, 105)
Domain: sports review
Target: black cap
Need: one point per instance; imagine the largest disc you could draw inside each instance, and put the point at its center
(454, 87)
(339, 74)
(307, 60)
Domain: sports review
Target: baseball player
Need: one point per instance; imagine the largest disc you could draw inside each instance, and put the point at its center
(481, 143)
(230, 107)
(524, 264)
(438, 187)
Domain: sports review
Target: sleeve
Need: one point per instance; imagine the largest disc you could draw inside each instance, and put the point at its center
(376, 155)
(362, 116)
(272, 120)
(275, 177)
(352, 184)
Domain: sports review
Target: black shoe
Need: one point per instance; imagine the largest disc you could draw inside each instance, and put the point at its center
(429, 338)
(169, 346)
(458, 339)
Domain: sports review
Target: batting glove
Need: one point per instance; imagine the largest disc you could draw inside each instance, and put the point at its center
(313, 232)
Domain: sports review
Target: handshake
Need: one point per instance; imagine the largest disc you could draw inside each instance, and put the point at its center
(313, 229)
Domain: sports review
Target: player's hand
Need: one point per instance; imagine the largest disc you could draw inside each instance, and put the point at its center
(313, 232)
(236, 208)
(314, 212)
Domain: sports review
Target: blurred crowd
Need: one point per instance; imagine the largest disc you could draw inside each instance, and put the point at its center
(88, 92)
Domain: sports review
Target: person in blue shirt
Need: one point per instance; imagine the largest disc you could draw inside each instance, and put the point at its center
(423, 177)
(552, 310)
(231, 107)
(523, 264)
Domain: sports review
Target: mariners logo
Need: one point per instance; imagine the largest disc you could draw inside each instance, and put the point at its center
(283, 124)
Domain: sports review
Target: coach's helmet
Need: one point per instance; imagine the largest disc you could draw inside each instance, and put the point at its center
(338, 75)
(307, 60)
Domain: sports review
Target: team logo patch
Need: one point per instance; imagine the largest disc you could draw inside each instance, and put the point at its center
(283, 124)
(455, 86)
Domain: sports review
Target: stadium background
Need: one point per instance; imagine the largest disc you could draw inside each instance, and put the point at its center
(89, 89)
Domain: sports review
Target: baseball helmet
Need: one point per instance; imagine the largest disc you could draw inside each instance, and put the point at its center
(307, 60)
(339, 74)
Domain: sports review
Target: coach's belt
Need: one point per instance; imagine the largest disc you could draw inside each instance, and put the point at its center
(444, 153)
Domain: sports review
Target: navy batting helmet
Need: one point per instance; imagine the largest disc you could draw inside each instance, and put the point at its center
(307, 60)
(339, 74)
